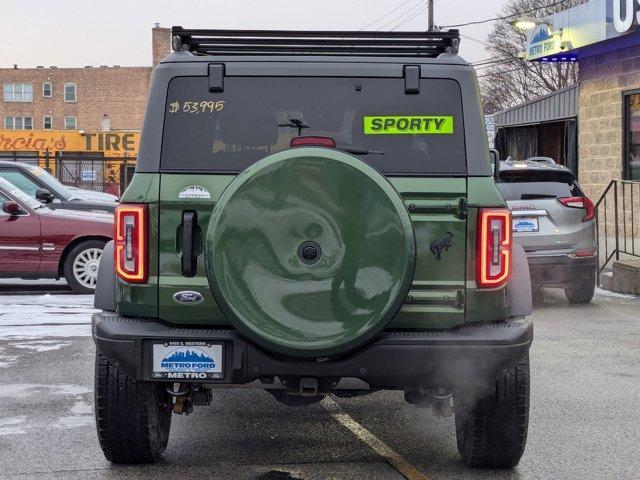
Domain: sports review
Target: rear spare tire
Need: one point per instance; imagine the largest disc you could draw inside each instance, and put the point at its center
(310, 252)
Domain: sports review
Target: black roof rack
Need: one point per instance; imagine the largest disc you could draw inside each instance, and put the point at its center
(272, 42)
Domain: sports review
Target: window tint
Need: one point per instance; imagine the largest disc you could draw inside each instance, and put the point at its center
(20, 181)
(528, 185)
(257, 116)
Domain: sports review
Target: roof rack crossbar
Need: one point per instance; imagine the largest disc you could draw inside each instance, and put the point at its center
(256, 42)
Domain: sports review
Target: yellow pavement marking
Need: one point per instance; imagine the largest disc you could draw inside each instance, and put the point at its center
(394, 459)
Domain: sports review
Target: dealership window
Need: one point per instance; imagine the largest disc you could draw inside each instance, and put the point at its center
(47, 122)
(70, 123)
(70, 92)
(18, 123)
(47, 89)
(631, 170)
(18, 92)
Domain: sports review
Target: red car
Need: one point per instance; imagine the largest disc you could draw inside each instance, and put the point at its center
(38, 242)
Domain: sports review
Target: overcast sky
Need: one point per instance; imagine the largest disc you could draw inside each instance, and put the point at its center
(72, 33)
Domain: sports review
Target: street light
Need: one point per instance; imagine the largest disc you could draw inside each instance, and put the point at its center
(529, 23)
(526, 23)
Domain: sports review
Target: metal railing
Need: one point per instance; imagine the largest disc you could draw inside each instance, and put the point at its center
(617, 222)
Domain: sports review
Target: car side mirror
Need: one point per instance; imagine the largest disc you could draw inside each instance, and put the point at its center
(12, 208)
(44, 195)
(495, 162)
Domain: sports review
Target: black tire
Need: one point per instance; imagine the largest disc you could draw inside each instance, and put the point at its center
(582, 290)
(67, 268)
(492, 430)
(133, 418)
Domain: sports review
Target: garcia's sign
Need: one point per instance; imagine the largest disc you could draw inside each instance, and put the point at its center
(112, 144)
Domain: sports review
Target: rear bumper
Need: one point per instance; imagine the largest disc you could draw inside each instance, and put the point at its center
(466, 357)
(560, 270)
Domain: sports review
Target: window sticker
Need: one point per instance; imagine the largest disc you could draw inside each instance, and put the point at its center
(195, 108)
(408, 125)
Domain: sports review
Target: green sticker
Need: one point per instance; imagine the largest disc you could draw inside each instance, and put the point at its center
(408, 125)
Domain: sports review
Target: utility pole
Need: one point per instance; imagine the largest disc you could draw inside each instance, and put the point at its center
(430, 14)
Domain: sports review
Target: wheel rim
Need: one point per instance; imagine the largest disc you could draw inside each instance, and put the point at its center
(85, 267)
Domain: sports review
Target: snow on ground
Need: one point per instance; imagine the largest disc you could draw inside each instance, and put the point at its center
(609, 293)
(28, 317)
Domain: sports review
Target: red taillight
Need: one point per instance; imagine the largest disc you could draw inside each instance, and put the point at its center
(494, 248)
(131, 242)
(313, 142)
(580, 202)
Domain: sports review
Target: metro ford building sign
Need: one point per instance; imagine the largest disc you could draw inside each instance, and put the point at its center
(565, 35)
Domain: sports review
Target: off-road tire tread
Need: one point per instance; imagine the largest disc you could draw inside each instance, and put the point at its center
(492, 431)
(132, 426)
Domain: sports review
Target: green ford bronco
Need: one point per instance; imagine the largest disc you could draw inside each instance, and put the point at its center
(313, 213)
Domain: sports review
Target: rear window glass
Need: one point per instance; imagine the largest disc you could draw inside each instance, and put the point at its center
(257, 116)
(529, 185)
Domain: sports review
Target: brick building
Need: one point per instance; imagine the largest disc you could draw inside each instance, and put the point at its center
(609, 118)
(89, 98)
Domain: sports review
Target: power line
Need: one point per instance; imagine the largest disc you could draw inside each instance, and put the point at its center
(419, 12)
(417, 5)
(522, 66)
(478, 22)
(422, 10)
(475, 40)
(482, 66)
(385, 15)
(504, 71)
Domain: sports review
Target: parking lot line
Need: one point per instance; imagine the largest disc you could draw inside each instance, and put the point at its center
(365, 436)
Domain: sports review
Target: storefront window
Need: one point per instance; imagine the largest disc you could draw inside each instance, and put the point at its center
(632, 136)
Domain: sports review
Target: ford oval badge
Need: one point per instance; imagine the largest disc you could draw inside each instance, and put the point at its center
(188, 298)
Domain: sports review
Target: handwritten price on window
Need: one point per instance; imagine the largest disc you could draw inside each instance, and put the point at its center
(196, 108)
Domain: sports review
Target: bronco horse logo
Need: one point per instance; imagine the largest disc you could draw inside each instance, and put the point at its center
(442, 244)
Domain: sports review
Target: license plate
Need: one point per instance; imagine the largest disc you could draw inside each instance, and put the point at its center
(525, 224)
(187, 360)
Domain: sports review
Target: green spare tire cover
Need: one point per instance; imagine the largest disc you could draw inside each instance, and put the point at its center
(310, 252)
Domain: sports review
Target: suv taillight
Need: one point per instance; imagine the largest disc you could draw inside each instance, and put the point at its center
(494, 248)
(131, 242)
(580, 202)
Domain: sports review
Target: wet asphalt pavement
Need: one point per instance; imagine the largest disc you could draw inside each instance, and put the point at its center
(585, 366)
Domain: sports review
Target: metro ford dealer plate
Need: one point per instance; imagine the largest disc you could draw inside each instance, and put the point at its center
(187, 360)
(525, 224)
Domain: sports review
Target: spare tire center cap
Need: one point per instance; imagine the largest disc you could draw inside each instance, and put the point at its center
(309, 252)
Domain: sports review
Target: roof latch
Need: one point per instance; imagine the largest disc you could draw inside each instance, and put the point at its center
(411, 79)
(216, 77)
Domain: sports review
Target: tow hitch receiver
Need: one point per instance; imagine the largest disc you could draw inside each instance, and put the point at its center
(309, 387)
